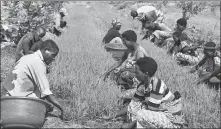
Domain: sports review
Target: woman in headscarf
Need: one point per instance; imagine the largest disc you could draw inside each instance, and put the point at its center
(113, 33)
(125, 67)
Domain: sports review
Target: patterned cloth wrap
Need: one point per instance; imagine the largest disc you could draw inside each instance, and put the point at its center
(192, 57)
(209, 66)
(128, 94)
(157, 119)
(126, 77)
(168, 43)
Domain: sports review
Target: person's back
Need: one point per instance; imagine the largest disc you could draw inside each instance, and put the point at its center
(27, 41)
(23, 78)
(20, 46)
(111, 34)
(163, 27)
(36, 46)
(145, 9)
(141, 50)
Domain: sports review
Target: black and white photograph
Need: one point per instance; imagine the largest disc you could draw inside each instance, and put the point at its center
(110, 64)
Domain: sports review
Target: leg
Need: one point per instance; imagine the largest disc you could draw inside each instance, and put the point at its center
(63, 24)
(128, 93)
(56, 32)
(160, 35)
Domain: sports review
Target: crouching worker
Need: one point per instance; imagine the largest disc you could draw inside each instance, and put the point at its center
(209, 63)
(147, 14)
(153, 104)
(184, 52)
(125, 67)
(28, 77)
(158, 32)
(180, 27)
(28, 40)
(59, 22)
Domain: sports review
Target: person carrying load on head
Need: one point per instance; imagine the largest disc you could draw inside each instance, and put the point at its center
(59, 22)
(125, 68)
(153, 105)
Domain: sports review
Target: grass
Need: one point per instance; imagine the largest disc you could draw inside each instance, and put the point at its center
(76, 74)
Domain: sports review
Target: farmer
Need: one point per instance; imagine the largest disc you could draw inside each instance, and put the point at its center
(153, 104)
(185, 52)
(131, 55)
(36, 46)
(113, 35)
(59, 22)
(147, 14)
(211, 77)
(158, 32)
(180, 27)
(26, 42)
(28, 77)
(209, 63)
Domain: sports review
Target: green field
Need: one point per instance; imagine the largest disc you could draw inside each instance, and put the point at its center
(76, 74)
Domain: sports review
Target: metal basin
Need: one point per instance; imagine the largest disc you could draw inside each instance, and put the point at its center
(117, 54)
(24, 112)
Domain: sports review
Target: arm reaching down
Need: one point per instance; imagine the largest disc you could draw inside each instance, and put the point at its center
(113, 67)
(210, 75)
(116, 65)
(196, 67)
(53, 100)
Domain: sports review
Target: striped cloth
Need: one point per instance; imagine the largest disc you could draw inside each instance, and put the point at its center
(159, 93)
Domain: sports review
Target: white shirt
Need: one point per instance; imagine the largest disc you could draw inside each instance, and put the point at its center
(28, 77)
(142, 11)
